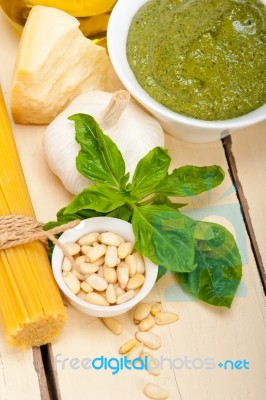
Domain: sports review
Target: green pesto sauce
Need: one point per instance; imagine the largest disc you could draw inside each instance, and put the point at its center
(201, 58)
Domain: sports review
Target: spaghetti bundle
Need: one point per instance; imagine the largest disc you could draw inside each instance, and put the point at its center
(31, 309)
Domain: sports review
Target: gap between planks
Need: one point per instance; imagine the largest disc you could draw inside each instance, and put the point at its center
(50, 373)
(40, 371)
(227, 144)
(43, 364)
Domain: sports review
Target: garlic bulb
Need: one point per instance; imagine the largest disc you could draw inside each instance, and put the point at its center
(133, 130)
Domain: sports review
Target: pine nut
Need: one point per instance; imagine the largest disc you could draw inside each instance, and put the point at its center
(86, 287)
(127, 346)
(137, 290)
(122, 274)
(119, 291)
(125, 297)
(81, 294)
(67, 265)
(125, 249)
(100, 272)
(151, 363)
(85, 250)
(80, 259)
(72, 282)
(96, 252)
(111, 256)
(78, 275)
(135, 352)
(149, 339)
(73, 248)
(99, 262)
(140, 267)
(132, 264)
(88, 239)
(111, 294)
(102, 293)
(97, 282)
(147, 323)
(165, 318)
(110, 239)
(155, 392)
(136, 281)
(96, 299)
(156, 308)
(113, 325)
(142, 311)
(110, 274)
(88, 268)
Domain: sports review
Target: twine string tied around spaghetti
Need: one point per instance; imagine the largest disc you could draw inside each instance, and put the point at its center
(17, 230)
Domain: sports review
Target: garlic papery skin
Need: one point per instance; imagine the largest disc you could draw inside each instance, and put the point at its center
(133, 130)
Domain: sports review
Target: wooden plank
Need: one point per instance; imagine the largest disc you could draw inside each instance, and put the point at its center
(22, 375)
(202, 332)
(247, 155)
(19, 372)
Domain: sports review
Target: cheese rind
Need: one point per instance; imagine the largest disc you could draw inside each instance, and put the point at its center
(55, 63)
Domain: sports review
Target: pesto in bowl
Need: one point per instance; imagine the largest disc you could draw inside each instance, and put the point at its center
(204, 59)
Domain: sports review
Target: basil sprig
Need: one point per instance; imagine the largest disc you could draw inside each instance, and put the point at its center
(204, 256)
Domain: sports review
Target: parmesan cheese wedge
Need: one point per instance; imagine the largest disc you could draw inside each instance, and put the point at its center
(55, 63)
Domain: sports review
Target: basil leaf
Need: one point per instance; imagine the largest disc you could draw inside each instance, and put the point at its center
(161, 272)
(165, 236)
(124, 212)
(151, 169)
(99, 197)
(204, 256)
(99, 159)
(65, 218)
(203, 231)
(190, 180)
(159, 199)
(219, 270)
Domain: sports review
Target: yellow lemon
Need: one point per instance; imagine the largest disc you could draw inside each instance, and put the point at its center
(18, 10)
(79, 8)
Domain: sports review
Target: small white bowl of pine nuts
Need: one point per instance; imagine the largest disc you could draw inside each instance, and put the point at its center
(108, 276)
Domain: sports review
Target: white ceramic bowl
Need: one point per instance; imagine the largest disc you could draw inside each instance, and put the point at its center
(101, 224)
(180, 126)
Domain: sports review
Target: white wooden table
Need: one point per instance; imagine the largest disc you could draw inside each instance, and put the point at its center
(202, 332)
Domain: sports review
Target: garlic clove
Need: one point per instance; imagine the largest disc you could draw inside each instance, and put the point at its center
(135, 133)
